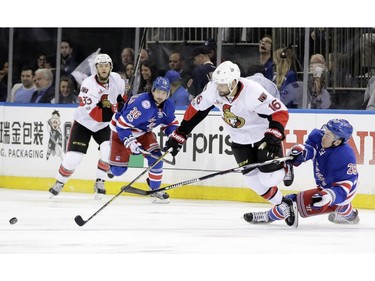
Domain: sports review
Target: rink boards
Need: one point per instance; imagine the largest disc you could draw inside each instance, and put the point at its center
(26, 132)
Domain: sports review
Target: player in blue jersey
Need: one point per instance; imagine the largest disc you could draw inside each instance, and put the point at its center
(131, 132)
(335, 172)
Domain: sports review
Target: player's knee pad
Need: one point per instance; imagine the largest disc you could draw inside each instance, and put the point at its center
(118, 170)
(254, 183)
(105, 149)
(72, 160)
(271, 179)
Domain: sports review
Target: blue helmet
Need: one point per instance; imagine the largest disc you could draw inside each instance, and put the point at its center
(162, 84)
(340, 128)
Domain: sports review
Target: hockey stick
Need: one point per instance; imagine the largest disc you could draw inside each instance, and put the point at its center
(144, 152)
(80, 221)
(138, 191)
(138, 61)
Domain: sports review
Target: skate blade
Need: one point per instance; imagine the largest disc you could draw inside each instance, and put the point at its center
(98, 196)
(160, 201)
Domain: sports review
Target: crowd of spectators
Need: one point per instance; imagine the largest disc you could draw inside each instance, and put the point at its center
(188, 76)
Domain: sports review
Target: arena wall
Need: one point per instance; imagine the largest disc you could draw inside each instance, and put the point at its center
(25, 135)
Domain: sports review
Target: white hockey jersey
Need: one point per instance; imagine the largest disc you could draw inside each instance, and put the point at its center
(247, 116)
(88, 113)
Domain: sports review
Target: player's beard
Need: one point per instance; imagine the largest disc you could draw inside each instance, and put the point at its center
(103, 79)
(224, 94)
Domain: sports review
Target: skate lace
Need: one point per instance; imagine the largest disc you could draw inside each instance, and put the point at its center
(285, 209)
(58, 186)
(260, 216)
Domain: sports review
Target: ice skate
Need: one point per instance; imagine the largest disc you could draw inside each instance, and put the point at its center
(99, 189)
(289, 173)
(160, 197)
(338, 219)
(257, 217)
(56, 188)
(289, 209)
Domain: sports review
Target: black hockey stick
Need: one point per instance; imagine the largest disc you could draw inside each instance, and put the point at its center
(138, 191)
(80, 221)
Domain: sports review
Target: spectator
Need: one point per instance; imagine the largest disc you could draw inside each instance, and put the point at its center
(211, 46)
(284, 74)
(137, 77)
(369, 97)
(265, 56)
(179, 95)
(22, 92)
(320, 98)
(256, 73)
(4, 82)
(127, 57)
(41, 62)
(67, 94)
(202, 72)
(45, 92)
(177, 63)
(148, 75)
(68, 62)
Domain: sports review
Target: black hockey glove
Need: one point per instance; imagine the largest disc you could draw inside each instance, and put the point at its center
(120, 103)
(175, 140)
(271, 141)
(106, 107)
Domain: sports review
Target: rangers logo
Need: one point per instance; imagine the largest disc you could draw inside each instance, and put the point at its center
(146, 104)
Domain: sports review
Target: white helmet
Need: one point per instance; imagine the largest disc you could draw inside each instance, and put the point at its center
(103, 58)
(225, 73)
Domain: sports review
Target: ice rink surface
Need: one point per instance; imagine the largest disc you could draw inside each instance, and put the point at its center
(132, 235)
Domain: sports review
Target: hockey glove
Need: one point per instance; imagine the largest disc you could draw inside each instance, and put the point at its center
(323, 198)
(120, 103)
(175, 140)
(271, 141)
(132, 143)
(104, 104)
(298, 152)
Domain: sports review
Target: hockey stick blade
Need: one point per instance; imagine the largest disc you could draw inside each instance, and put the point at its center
(79, 220)
(134, 190)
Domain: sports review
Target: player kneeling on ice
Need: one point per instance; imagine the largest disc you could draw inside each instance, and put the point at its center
(131, 132)
(335, 172)
(255, 122)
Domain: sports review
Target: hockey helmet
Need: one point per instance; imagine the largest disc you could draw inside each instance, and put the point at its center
(226, 72)
(162, 84)
(103, 58)
(340, 128)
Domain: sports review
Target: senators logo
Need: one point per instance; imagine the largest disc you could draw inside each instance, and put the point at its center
(231, 119)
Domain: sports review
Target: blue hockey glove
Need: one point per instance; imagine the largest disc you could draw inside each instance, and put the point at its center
(298, 152)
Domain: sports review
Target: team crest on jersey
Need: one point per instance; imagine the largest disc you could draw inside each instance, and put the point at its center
(231, 119)
(146, 104)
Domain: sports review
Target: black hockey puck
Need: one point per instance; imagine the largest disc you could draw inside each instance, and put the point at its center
(13, 220)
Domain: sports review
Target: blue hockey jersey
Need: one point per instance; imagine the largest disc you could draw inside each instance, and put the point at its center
(141, 114)
(334, 167)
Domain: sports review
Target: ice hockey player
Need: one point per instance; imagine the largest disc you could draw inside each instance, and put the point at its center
(335, 172)
(131, 132)
(255, 121)
(100, 94)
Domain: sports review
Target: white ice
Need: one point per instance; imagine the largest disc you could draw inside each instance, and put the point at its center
(159, 235)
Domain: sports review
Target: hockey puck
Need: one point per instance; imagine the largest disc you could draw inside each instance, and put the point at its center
(13, 220)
